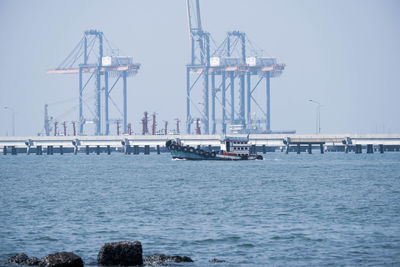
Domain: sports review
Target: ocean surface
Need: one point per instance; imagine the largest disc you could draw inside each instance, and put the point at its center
(296, 210)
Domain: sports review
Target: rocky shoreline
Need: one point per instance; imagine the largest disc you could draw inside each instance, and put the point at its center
(123, 253)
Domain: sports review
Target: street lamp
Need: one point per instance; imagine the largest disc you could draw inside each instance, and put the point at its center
(13, 119)
(318, 116)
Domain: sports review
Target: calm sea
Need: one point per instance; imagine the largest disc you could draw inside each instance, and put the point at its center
(331, 209)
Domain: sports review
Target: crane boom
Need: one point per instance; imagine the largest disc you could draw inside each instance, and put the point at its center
(198, 15)
(198, 38)
(193, 16)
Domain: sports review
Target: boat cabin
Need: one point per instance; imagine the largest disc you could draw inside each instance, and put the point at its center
(237, 145)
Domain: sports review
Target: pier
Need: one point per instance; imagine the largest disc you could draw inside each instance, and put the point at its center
(142, 144)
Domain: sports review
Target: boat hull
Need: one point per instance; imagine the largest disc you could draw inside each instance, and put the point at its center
(193, 156)
(179, 151)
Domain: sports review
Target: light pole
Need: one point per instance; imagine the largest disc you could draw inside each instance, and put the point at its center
(13, 119)
(318, 116)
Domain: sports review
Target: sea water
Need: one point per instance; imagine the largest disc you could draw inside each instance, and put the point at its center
(336, 208)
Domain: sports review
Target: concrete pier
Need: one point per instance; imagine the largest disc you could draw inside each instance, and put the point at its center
(138, 143)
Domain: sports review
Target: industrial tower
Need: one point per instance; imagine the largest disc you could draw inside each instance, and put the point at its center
(228, 66)
(109, 66)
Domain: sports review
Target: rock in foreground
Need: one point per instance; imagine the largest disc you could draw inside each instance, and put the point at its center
(23, 259)
(61, 259)
(18, 259)
(121, 253)
(161, 259)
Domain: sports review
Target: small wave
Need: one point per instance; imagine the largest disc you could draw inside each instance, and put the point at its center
(91, 262)
(218, 240)
(45, 238)
(246, 245)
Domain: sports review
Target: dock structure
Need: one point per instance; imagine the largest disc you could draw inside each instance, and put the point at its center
(136, 144)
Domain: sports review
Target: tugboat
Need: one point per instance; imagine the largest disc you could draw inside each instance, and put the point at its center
(232, 148)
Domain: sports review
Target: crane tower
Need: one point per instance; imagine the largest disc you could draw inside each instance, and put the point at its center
(99, 65)
(225, 71)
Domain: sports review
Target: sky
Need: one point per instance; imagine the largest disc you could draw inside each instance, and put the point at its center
(343, 54)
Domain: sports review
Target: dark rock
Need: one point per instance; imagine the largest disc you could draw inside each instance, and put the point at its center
(121, 253)
(216, 260)
(23, 259)
(161, 259)
(62, 259)
(18, 259)
(33, 261)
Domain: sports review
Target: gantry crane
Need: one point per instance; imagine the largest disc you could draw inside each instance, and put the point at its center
(230, 66)
(106, 66)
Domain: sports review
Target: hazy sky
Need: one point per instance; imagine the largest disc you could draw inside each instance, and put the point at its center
(344, 54)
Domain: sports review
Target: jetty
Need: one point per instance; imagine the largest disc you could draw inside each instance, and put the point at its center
(144, 144)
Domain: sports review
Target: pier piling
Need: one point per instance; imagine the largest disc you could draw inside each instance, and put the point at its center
(358, 149)
(158, 149)
(4, 150)
(13, 150)
(298, 148)
(264, 149)
(147, 150)
(108, 149)
(97, 150)
(321, 148)
(39, 150)
(61, 150)
(87, 150)
(381, 149)
(136, 150)
(309, 149)
(370, 149)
